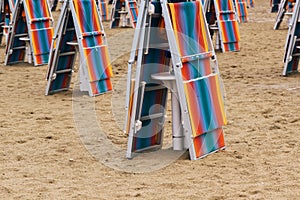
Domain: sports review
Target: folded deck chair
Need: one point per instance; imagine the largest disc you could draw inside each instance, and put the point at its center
(292, 50)
(196, 75)
(274, 5)
(7, 7)
(250, 3)
(199, 78)
(228, 28)
(285, 9)
(80, 25)
(103, 7)
(241, 10)
(124, 13)
(31, 19)
(146, 98)
(2, 21)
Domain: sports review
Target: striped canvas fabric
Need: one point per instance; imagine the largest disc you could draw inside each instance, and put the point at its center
(205, 104)
(94, 50)
(87, 16)
(251, 3)
(99, 69)
(190, 29)
(241, 9)
(153, 102)
(133, 9)
(201, 86)
(41, 30)
(228, 25)
(103, 7)
(152, 129)
(80, 29)
(209, 142)
(152, 97)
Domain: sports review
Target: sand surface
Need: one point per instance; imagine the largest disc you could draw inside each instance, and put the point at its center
(51, 146)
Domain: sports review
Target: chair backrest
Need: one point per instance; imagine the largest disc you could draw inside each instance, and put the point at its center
(94, 53)
(228, 25)
(201, 84)
(80, 23)
(150, 106)
(241, 9)
(32, 19)
(103, 7)
(41, 31)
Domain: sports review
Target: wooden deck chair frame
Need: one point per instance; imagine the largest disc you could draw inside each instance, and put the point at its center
(241, 10)
(177, 63)
(126, 17)
(137, 88)
(225, 45)
(103, 8)
(6, 9)
(282, 11)
(67, 17)
(39, 58)
(250, 3)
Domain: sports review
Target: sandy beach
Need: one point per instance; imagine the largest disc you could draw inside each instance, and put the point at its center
(45, 152)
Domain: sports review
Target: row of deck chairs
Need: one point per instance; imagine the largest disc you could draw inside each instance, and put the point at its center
(188, 56)
(221, 15)
(32, 34)
(292, 44)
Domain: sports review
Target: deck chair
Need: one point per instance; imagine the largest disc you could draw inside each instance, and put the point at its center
(31, 19)
(103, 7)
(285, 9)
(124, 13)
(6, 9)
(241, 10)
(275, 5)
(250, 3)
(147, 105)
(2, 21)
(194, 66)
(223, 20)
(79, 30)
(292, 44)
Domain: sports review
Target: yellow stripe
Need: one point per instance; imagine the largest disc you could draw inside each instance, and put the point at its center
(203, 27)
(188, 99)
(175, 28)
(220, 99)
(77, 12)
